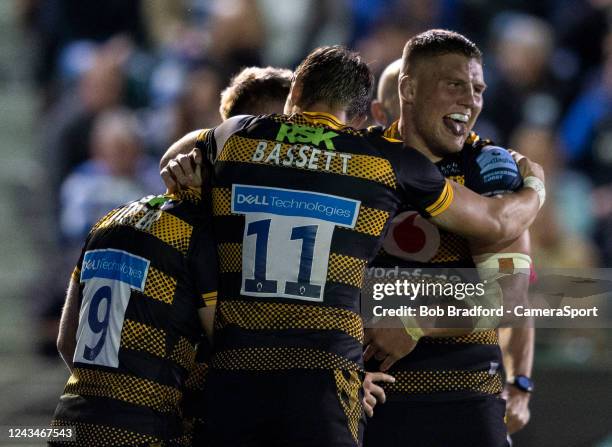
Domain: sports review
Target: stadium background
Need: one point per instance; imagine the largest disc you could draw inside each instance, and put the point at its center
(112, 83)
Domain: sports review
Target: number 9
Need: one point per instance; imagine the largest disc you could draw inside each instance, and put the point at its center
(103, 293)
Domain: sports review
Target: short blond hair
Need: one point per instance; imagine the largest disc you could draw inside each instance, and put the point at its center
(252, 89)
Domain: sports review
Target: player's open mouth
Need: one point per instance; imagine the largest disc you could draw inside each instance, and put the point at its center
(456, 123)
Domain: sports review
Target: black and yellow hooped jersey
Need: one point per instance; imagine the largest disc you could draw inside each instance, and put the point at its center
(300, 205)
(145, 270)
(452, 367)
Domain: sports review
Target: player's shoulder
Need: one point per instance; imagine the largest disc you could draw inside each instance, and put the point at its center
(174, 209)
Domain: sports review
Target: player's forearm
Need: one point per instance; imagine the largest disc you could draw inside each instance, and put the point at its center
(488, 220)
(520, 349)
(66, 351)
(69, 322)
(514, 213)
(182, 146)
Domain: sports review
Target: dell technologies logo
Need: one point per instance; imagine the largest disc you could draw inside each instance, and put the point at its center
(251, 199)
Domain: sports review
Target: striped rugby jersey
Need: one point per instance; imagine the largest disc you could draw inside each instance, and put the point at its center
(146, 269)
(300, 206)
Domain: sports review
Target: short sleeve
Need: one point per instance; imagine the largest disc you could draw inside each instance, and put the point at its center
(205, 143)
(211, 141)
(204, 266)
(425, 187)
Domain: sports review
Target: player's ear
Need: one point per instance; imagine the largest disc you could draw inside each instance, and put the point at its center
(293, 99)
(378, 112)
(406, 88)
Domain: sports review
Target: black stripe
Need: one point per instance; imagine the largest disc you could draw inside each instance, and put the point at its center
(119, 414)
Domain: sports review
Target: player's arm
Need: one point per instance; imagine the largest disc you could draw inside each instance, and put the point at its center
(207, 317)
(181, 163)
(489, 220)
(204, 269)
(69, 322)
(520, 350)
(182, 146)
(457, 209)
(512, 266)
(427, 190)
(178, 167)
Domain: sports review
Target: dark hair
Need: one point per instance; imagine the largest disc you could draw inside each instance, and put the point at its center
(251, 89)
(337, 77)
(437, 42)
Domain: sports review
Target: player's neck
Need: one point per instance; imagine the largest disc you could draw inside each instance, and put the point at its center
(412, 139)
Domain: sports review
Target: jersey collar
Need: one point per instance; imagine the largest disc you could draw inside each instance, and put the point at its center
(393, 131)
(324, 118)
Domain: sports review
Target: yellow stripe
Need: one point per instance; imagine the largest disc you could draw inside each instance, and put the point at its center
(266, 359)
(346, 270)
(443, 202)
(430, 381)
(183, 353)
(348, 386)
(324, 118)
(160, 286)
(202, 136)
(76, 275)
(472, 138)
(222, 201)
(392, 133)
(371, 221)
(142, 337)
(173, 231)
(98, 434)
(210, 299)
(123, 387)
(279, 316)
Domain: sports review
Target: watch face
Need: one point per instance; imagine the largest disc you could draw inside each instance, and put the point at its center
(524, 383)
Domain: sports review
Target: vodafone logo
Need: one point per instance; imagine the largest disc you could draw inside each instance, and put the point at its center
(412, 238)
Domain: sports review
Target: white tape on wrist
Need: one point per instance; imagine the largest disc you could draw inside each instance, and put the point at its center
(538, 186)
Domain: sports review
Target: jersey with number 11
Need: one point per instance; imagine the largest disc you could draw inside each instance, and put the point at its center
(300, 205)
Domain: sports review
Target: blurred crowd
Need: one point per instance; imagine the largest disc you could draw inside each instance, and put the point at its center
(119, 80)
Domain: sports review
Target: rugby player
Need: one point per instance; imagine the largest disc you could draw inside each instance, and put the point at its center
(300, 205)
(254, 90)
(146, 272)
(446, 382)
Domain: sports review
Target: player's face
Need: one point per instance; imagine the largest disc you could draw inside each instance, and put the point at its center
(447, 101)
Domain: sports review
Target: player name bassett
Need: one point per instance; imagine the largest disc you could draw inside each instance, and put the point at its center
(300, 156)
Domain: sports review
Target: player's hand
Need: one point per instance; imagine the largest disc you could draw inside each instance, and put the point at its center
(387, 345)
(517, 408)
(183, 171)
(374, 394)
(527, 167)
